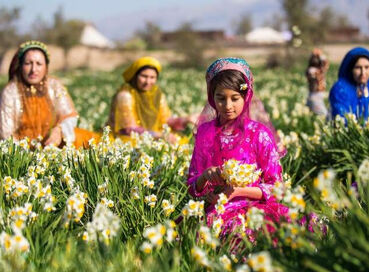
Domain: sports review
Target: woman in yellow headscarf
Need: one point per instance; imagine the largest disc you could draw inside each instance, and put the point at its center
(35, 105)
(139, 105)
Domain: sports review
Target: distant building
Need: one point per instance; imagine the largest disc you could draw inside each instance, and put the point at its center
(265, 35)
(344, 34)
(209, 35)
(90, 36)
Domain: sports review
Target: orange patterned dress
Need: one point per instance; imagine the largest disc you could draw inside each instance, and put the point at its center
(33, 114)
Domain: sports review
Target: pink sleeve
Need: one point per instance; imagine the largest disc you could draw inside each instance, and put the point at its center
(259, 114)
(197, 166)
(268, 161)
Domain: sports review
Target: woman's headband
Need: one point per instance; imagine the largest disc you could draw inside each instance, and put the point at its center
(24, 47)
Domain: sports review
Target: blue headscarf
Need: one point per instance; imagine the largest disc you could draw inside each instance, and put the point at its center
(343, 97)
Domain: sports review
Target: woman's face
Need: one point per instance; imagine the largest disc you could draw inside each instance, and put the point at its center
(228, 103)
(34, 66)
(146, 79)
(360, 71)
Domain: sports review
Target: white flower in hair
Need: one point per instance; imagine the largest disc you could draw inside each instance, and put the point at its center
(243, 87)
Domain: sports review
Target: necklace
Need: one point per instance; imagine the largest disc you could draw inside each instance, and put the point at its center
(32, 89)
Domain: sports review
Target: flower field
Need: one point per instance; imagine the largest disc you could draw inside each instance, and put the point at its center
(113, 207)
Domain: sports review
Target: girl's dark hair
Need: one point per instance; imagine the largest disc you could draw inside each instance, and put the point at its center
(227, 79)
(133, 81)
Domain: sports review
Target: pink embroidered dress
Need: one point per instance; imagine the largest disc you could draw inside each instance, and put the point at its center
(249, 142)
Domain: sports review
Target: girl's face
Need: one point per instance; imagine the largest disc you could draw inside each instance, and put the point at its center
(360, 71)
(146, 79)
(34, 67)
(228, 103)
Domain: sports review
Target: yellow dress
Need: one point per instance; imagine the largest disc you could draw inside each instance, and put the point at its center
(132, 108)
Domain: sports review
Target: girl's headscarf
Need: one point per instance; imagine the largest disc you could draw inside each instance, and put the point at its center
(209, 112)
(251, 102)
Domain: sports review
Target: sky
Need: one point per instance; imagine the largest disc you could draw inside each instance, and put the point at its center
(119, 19)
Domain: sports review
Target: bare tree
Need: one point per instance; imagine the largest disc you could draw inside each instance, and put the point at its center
(295, 12)
(151, 34)
(244, 25)
(65, 33)
(190, 45)
(275, 21)
(39, 26)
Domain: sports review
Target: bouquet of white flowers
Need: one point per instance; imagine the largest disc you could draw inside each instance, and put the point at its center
(238, 174)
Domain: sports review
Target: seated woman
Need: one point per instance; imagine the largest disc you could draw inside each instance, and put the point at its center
(35, 105)
(315, 74)
(139, 105)
(231, 134)
(350, 93)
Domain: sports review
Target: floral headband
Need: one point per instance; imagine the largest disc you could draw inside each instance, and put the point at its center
(237, 64)
(230, 64)
(33, 45)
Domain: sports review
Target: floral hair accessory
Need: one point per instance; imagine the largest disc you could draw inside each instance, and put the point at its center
(243, 87)
(33, 45)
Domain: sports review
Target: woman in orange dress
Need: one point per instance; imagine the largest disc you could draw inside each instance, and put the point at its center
(37, 106)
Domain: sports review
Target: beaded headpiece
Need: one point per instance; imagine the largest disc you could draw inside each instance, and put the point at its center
(33, 45)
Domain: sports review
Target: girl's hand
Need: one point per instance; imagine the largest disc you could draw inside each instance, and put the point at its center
(155, 134)
(172, 138)
(229, 191)
(178, 123)
(214, 176)
(193, 118)
(55, 137)
(211, 198)
(252, 193)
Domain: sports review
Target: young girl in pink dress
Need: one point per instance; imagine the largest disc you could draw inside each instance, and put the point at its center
(225, 131)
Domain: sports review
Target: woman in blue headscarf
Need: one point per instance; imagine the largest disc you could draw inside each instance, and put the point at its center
(350, 93)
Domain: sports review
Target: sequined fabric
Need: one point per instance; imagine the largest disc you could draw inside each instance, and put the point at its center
(244, 140)
(14, 117)
(38, 117)
(253, 106)
(132, 109)
(256, 146)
